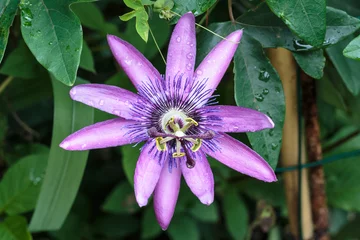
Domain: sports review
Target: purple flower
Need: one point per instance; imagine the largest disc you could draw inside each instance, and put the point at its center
(177, 118)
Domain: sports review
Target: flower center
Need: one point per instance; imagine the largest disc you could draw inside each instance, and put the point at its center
(175, 125)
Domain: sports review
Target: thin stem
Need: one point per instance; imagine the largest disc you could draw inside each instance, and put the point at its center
(341, 141)
(157, 46)
(7, 81)
(231, 15)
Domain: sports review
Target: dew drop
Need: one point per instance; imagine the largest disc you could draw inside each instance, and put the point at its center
(38, 31)
(190, 56)
(271, 132)
(116, 112)
(83, 146)
(277, 89)
(190, 163)
(265, 91)
(128, 62)
(264, 75)
(178, 39)
(188, 66)
(199, 72)
(91, 103)
(274, 146)
(101, 102)
(50, 43)
(259, 97)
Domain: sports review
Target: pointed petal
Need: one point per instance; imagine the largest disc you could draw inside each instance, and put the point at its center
(147, 172)
(166, 195)
(107, 98)
(241, 158)
(135, 65)
(110, 133)
(234, 119)
(182, 51)
(200, 178)
(214, 65)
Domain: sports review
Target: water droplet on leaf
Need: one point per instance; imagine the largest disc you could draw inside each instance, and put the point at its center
(259, 97)
(264, 75)
(265, 91)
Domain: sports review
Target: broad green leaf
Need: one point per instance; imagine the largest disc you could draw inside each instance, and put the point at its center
(352, 7)
(338, 218)
(121, 200)
(65, 168)
(7, 14)
(14, 228)
(311, 62)
(342, 177)
(22, 150)
(20, 186)
(205, 213)
(142, 17)
(347, 68)
(183, 227)
(86, 59)
(352, 50)
(130, 155)
(236, 214)
(258, 86)
(149, 225)
(22, 64)
(270, 31)
(306, 18)
(73, 228)
(197, 7)
(350, 231)
(116, 226)
(54, 35)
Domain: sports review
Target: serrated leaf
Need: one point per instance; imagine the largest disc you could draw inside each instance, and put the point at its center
(21, 63)
(130, 155)
(347, 68)
(149, 225)
(352, 50)
(236, 214)
(53, 34)
(65, 168)
(270, 31)
(14, 228)
(86, 59)
(183, 227)
(306, 18)
(121, 200)
(20, 186)
(311, 62)
(7, 14)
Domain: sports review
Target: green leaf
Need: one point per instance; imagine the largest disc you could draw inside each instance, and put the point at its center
(351, 231)
(342, 176)
(183, 227)
(311, 62)
(149, 225)
(205, 213)
(352, 7)
(53, 34)
(86, 59)
(130, 155)
(7, 14)
(121, 200)
(65, 168)
(142, 25)
(352, 50)
(236, 214)
(21, 63)
(20, 186)
(116, 226)
(346, 67)
(258, 86)
(306, 18)
(271, 32)
(197, 7)
(14, 228)
(73, 228)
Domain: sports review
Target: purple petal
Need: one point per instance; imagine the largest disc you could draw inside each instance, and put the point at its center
(200, 179)
(110, 133)
(135, 65)
(107, 98)
(147, 172)
(166, 194)
(214, 65)
(235, 119)
(182, 51)
(241, 158)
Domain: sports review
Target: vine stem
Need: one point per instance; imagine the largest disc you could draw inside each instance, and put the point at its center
(231, 15)
(317, 181)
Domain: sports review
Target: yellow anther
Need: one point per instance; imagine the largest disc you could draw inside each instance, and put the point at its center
(197, 144)
(176, 155)
(160, 145)
(174, 126)
(191, 121)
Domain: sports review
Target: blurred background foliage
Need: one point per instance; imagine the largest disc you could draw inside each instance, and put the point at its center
(46, 46)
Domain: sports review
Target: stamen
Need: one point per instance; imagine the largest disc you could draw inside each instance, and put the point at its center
(178, 153)
(160, 146)
(189, 122)
(196, 145)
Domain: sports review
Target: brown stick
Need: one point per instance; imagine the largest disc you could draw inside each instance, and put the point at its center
(285, 65)
(317, 186)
